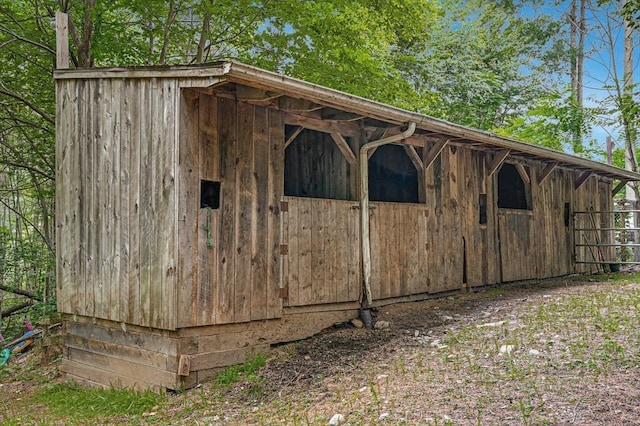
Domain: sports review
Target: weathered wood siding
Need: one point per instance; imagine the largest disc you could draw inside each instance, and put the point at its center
(439, 245)
(230, 257)
(116, 199)
(323, 244)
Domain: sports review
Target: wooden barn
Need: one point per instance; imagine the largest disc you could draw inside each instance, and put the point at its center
(206, 212)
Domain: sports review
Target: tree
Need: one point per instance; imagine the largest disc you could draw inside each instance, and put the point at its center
(485, 60)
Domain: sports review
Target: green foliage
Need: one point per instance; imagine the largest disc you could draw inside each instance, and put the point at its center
(485, 62)
(552, 122)
(79, 403)
(234, 373)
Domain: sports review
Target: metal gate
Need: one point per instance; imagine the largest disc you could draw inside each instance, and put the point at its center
(606, 239)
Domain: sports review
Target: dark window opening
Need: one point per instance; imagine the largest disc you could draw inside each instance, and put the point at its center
(392, 176)
(482, 209)
(513, 192)
(209, 194)
(315, 167)
(567, 214)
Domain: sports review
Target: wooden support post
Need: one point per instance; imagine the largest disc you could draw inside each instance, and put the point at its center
(293, 136)
(550, 167)
(498, 159)
(433, 153)
(62, 40)
(583, 178)
(523, 173)
(414, 157)
(344, 148)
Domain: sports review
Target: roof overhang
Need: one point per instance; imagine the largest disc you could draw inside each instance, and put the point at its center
(340, 108)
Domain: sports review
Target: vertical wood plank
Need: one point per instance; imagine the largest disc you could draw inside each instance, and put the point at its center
(124, 197)
(225, 290)
(260, 225)
(114, 201)
(276, 191)
(244, 214)
(306, 244)
(135, 207)
(68, 129)
(147, 178)
(102, 143)
(167, 233)
(208, 136)
(318, 269)
(188, 204)
(355, 261)
(293, 258)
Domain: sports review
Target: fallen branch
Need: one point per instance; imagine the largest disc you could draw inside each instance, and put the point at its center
(25, 293)
(15, 309)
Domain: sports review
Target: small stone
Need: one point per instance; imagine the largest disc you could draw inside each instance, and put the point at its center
(357, 323)
(382, 376)
(336, 419)
(534, 352)
(383, 416)
(363, 389)
(307, 357)
(382, 325)
(506, 349)
(416, 333)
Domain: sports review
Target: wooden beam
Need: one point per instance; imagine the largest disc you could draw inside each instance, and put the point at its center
(346, 128)
(546, 172)
(433, 153)
(336, 114)
(298, 105)
(498, 159)
(62, 40)
(344, 148)
(246, 93)
(583, 178)
(523, 173)
(293, 136)
(619, 187)
(414, 157)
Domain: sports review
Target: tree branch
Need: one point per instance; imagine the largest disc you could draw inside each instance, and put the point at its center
(26, 293)
(15, 309)
(26, 40)
(5, 91)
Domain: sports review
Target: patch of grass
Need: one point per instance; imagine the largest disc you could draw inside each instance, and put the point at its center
(234, 373)
(68, 400)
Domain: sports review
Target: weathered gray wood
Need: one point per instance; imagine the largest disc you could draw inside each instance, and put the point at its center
(276, 191)
(244, 213)
(62, 40)
(226, 258)
(188, 202)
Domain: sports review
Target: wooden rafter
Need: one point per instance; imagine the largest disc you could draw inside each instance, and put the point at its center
(298, 105)
(344, 147)
(546, 172)
(522, 171)
(619, 187)
(433, 152)
(346, 128)
(414, 157)
(293, 136)
(255, 96)
(498, 159)
(583, 178)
